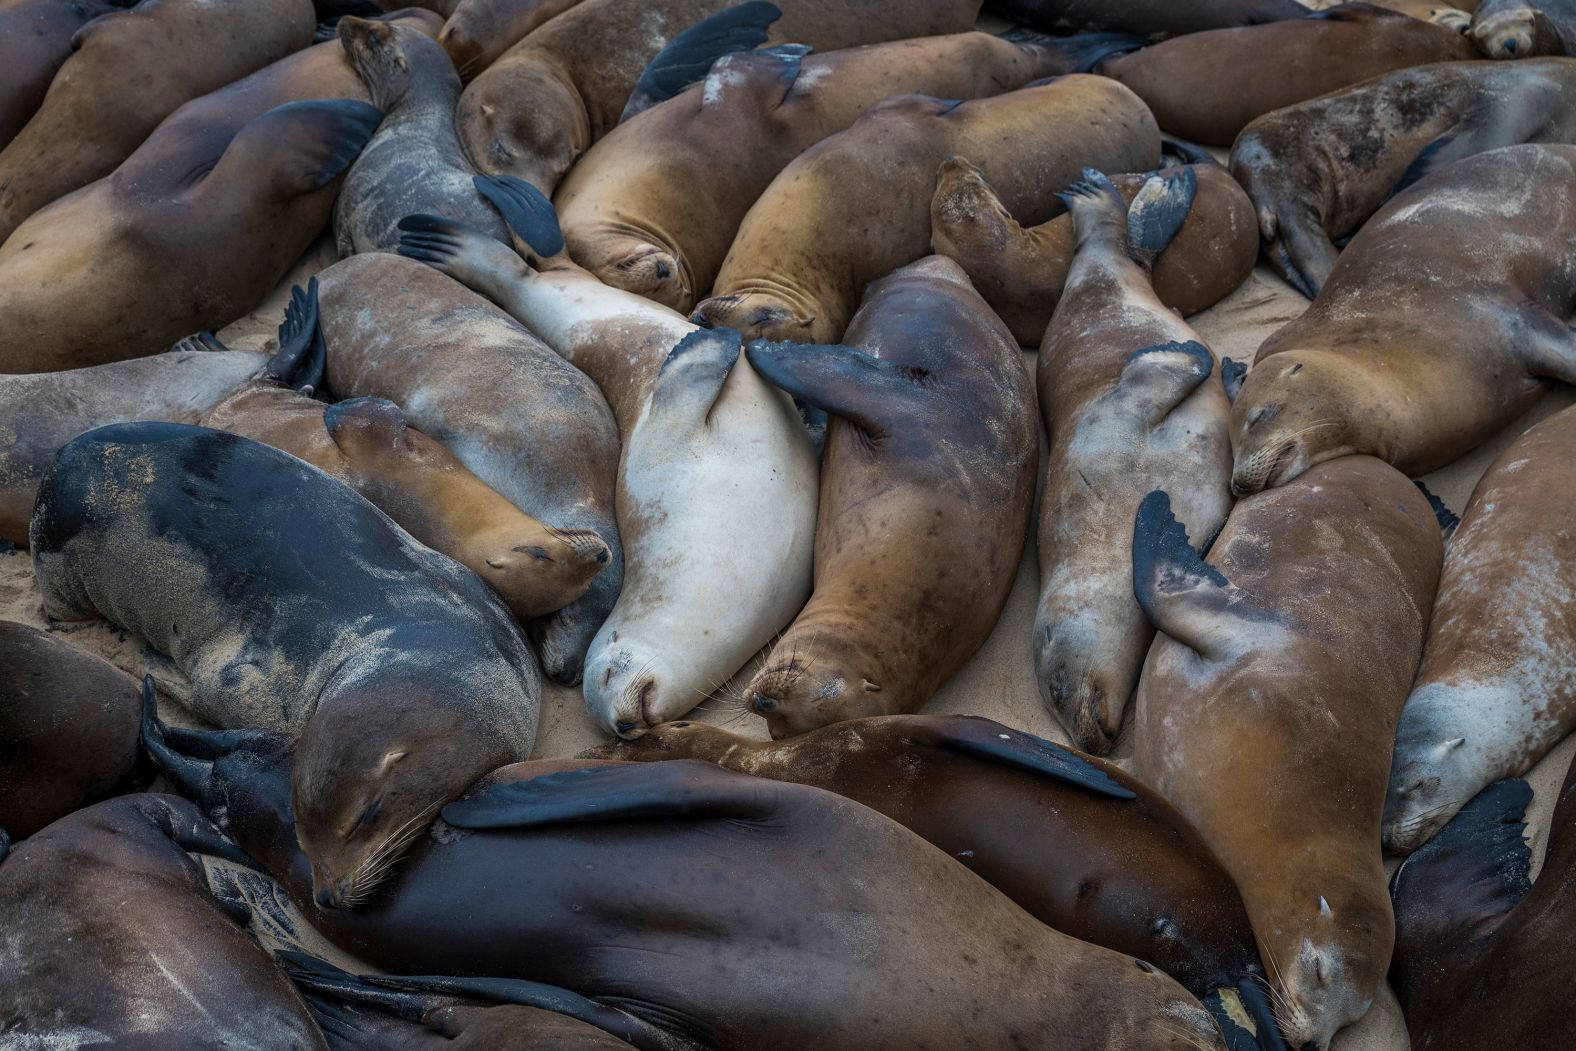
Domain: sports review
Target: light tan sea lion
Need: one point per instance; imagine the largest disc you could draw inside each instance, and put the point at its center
(856, 206)
(1267, 711)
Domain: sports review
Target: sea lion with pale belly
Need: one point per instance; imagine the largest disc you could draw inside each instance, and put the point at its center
(1497, 688)
(1444, 319)
(716, 485)
(856, 206)
(653, 206)
(35, 40)
(1266, 711)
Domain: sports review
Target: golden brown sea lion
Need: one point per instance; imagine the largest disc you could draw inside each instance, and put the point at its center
(35, 40)
(478, 31)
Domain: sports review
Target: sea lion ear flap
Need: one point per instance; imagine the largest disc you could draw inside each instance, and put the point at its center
(305, 145)
(688, 56)
(1156, 379)
(680, 788)
(864, 390)
(1181, 594)
(691, 377)
(528, 213)
(991, 741)
(302, 354)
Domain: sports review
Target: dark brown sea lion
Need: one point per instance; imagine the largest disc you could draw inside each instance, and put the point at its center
(112, 939)
(855, 206)
(1020, 272)
(128, 71)
(653, 207)
(1206, 87)
(1521, 28)
(1082, 846)
(1266, 712)
(35, 40)
(68, 730)
(1144, 18)
(878, 942)
(524, 420)
(540, 106)
(290, 602)
(1444, 319)
(478, 31)
(1318, 170)
(927, 483)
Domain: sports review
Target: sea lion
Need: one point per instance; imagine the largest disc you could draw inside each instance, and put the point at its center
(855, 206)
(1457, 16)
(414, 162)
(535, 110)
(1482, 954)
(1266, 712)
(1522, 28)
(478, 31)
(128, 71)
(1206, 87)
(1380, 137)
(1144, 18)
(1497, 688)
(366, 443)
(290, 602)
(682, 852)
(43, 412)
(1131, 402)
(1108, 860)
(1443, 320)
(653, 207)
(174, 249)
(716, 484)
(524, 420)
(35, 40)
(69, 722)
(927, 483)
(1021, 272)
(111, 938)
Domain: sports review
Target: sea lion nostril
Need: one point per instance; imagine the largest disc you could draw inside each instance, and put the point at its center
(623, 727)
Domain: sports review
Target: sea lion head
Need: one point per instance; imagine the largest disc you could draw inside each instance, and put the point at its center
(1329, 961)
(539, 570)
(1433, 773)
(1297, 409)
(628, 683)
(760, 315)
(380, 54)
(1083, 687)
(525, 120)
(811, 688)
(1514, 32)
(640, 265)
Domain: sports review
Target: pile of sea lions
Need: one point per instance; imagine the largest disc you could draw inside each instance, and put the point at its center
(649, 346)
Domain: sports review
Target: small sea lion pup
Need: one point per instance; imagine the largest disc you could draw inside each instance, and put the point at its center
(522, 419)
(128, 71)
(1443, 321)
(563, 87)
(1131, 403)
(1021, 272)
(290, 602)
(653, 207)
(1497, 688)
(1085, 848)
(856, 207)
(69, 723)
(944, 961)
(1206, 87)
(366, 443)
(35, 40)
(1313, 188)
(1483, 956)
(1519, 28)
(1266, 712)
(927, 483)
(44, 411)
(112, 938)
(1143, 18)
(716, 485)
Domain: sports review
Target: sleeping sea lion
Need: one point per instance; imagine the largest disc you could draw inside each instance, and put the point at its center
(478, 31)
(1143, 18)
(35, 40)
(1522, 28)
(1266, 712)
(290, 602)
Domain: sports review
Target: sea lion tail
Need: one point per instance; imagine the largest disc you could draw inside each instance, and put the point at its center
(1158, 212)
(1448, 519)
(302, 355)
(1084, 52)
(527, 211)
(687, 57)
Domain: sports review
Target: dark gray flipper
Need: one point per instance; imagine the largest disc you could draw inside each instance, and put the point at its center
(1253, 992)
(310, 144)
(689, 56)
(5, 844)
(1232, 373)
(872, 394)
(1180, 151)
(366, 414)
(692, 375)
(1448, 519)
(192, 776)
(302, 354)
(202, 342)
(991, 741)
(1158, 212)
(1157, 379)
(1426, 162)
(200, 838)
(1088, 50)
(525, 209)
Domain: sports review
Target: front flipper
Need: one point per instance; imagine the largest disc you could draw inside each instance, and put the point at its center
(1158, 212)
(692, 375)
(528, 213)
(1157, 379)
(306, 145)
(1232, 373)
(302, 354)
(688, 56)
(872, 394)
(472, 258)
(1447, 519)
(672, 789)
(991, 741)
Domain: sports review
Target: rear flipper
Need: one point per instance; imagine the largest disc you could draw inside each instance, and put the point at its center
(692, 376)
(1448, 519)
(1298, 248)
(464, 253)
(302, 355)
(1098, 209)
(203, 342)
(688, 56)
(872, 394)
(1158, 212)
(1242, 1012)
(1084, 52)
(1232, 373)
(1157, 379)
(989, 740)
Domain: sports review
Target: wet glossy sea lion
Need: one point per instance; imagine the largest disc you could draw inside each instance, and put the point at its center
(68, 721)
(1266, 712)
(1444, 319)
(716, 485)
(35, 40)
(563, 87)
(367, 444)
(1497, 688)
(1206, 87)
(878, 942)
(111, 938)
(1520, 28)
(1020, 272)
(1316, 171)
(174, 249)
(414, 162)
(855, 206)
(1083, 847)
(128, 71)
(653, 207)
(927, 482)
(478, 31)
(1144, 18)
(521, 418)
(42, 412)
(290, 602)
(1132, 402)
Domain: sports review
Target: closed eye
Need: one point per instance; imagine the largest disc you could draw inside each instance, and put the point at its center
(540, 554)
